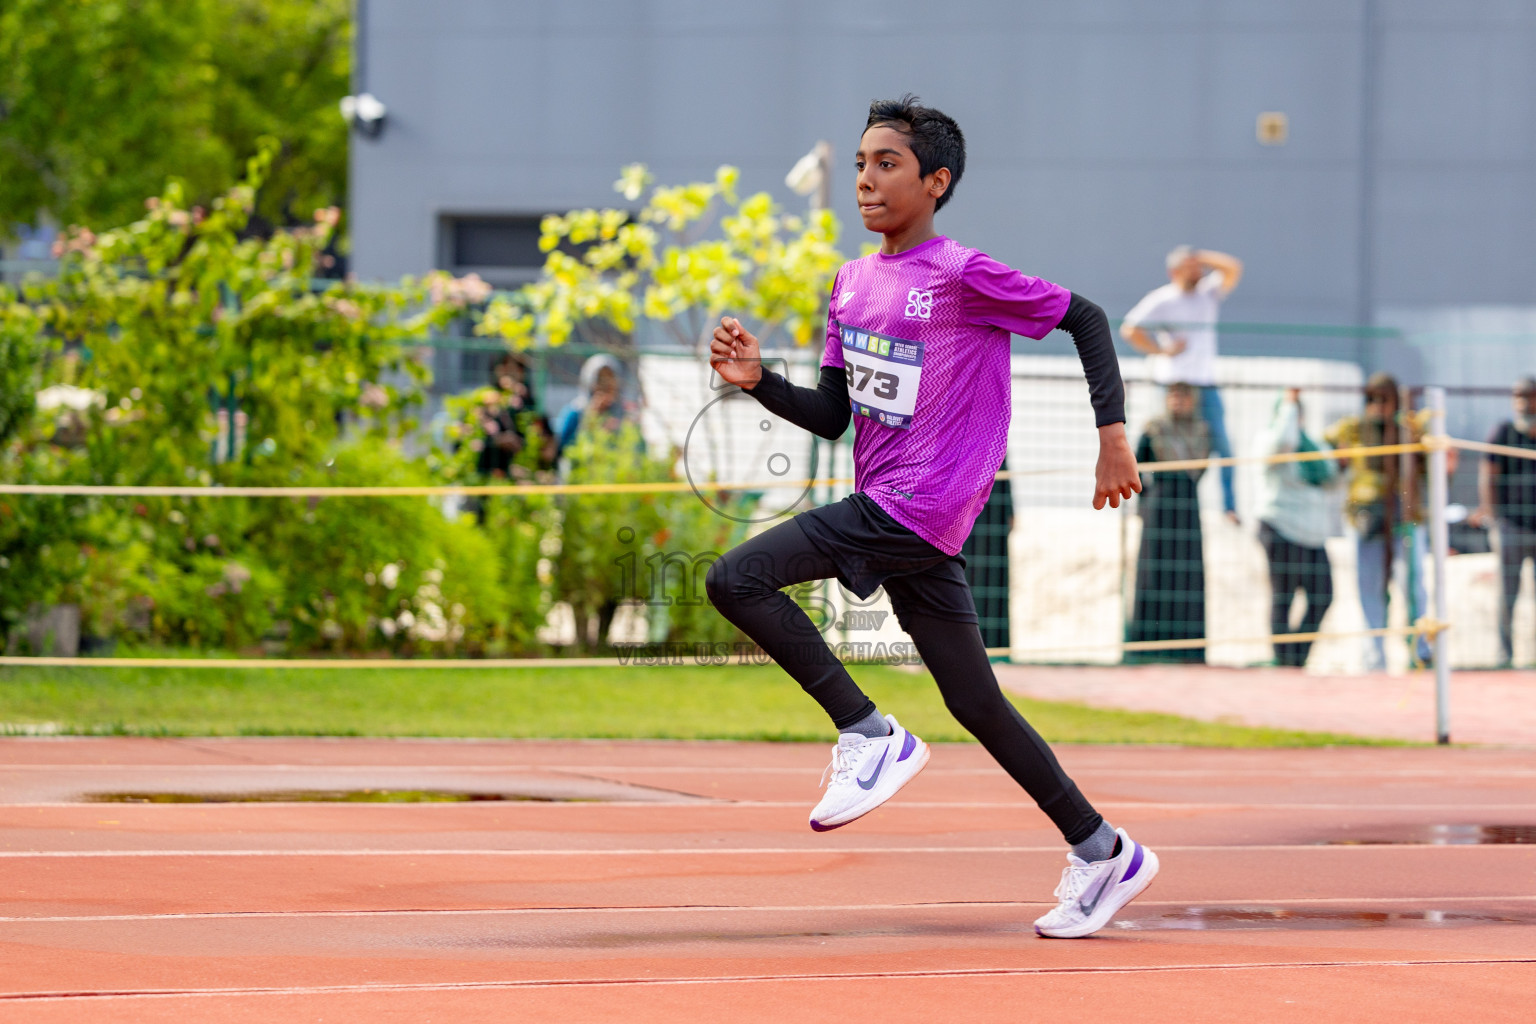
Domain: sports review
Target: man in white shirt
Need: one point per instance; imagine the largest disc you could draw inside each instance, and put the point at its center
(1175, 325)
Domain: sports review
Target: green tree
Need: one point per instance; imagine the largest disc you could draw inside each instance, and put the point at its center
(181, 326)
(102, 101)
(178, 320)
(690, 252)
(20, 354)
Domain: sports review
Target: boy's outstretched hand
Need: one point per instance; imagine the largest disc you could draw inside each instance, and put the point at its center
(1116, 476)
(734, 354)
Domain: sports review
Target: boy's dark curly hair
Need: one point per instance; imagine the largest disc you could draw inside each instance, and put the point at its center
(932, 135)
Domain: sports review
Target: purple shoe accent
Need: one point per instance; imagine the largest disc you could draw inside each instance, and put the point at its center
(817, 826)
(907, 746)
(1136, 859)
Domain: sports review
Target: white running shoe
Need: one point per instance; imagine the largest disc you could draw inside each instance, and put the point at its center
(865, 773)
(1090, 894)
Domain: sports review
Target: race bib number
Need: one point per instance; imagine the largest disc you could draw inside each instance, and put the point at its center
(883, 374)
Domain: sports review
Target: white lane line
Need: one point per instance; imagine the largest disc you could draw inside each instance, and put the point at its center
(1453, 771)
(742, 979)
(1427, 902)
(716, 802)
(737, 851)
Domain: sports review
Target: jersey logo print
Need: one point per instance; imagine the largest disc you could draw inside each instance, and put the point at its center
(845, 297)
(919, 304)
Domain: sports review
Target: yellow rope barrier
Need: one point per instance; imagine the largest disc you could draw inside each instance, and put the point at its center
(1492, 449)
(655, 487)
(1428, 627)
(524, 491)
(322, 663)
(1425, 626)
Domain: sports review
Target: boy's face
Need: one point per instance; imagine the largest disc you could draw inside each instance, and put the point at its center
(892, 194)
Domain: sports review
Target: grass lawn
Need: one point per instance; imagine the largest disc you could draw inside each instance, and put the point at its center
(668, 702)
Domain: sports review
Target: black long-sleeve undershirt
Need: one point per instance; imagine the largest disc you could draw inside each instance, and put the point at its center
(824, 410)
(1089, 328)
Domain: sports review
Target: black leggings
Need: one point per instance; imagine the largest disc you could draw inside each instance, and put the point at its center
(1293, 566)
(746, 586)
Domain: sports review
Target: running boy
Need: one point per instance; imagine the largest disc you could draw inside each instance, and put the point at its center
(917, 345)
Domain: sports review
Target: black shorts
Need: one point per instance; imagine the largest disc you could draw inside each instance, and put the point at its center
(871, 550)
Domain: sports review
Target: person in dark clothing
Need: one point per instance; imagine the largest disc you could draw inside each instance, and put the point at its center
(1170, 567)
(1506, 487)
(986, 564)
(1295, 519)
(510, 423)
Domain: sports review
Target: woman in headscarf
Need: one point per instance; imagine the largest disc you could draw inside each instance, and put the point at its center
(1296, 514)
(587, 522)
(1170, 568)
(597, 401)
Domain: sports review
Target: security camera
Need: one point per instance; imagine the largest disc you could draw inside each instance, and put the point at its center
(812, 175)
(365, 112)
(805, 177)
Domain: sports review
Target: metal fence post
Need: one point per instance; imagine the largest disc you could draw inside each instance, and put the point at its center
(1439, 539)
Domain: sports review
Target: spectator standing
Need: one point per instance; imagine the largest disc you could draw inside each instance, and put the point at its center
(599, 411)
(597, 401)
(1384, 509)
(1175, 326)
(1295, 519)
(1170, 566)
(1506, 488)
(511, 424)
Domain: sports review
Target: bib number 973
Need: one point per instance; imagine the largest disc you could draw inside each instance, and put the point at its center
(883, 375)
(886, 385)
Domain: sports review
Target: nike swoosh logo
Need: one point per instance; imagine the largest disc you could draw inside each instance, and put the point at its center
(1103, 886)
(875, 777)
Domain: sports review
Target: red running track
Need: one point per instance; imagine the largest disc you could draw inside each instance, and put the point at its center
(678, 881)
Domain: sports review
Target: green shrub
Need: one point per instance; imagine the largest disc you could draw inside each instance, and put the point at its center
(521, 532)
(382, 572)
(653, 548)
(21, 351)
(694, 528)
(211, 601)
(46, 541)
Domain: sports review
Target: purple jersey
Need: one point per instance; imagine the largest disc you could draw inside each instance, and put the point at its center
(923, 336)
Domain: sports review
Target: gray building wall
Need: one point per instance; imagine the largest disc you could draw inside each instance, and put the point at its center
(1100, 133)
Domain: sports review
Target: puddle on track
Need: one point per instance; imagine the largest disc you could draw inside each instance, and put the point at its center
(327, 796)
(1261, 918)
(1190, 918)
(643, 938)
(1441, 835)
